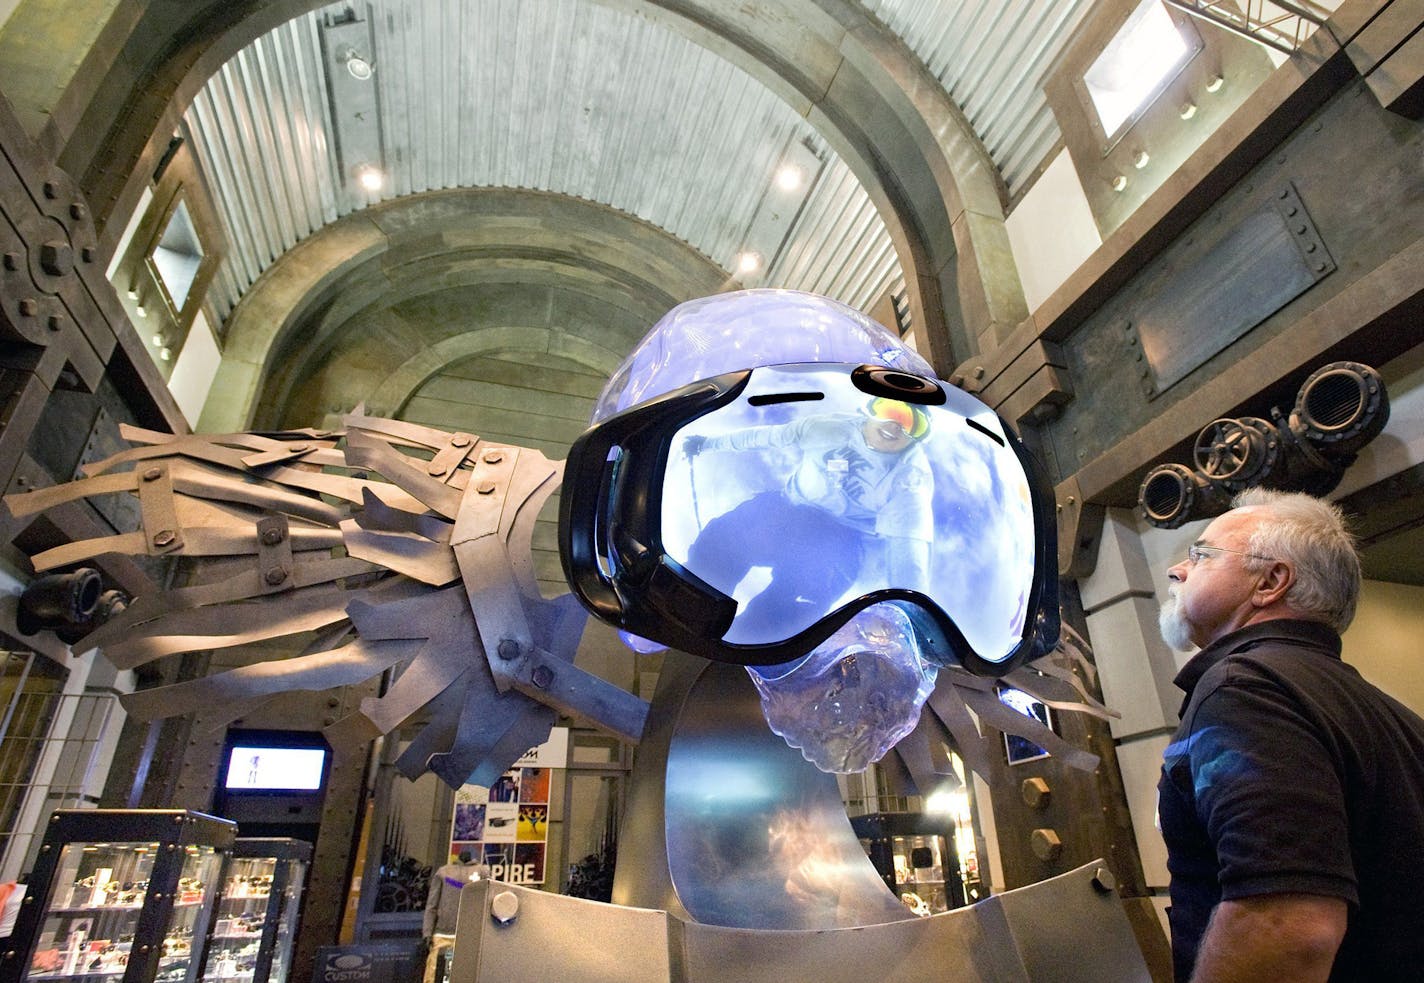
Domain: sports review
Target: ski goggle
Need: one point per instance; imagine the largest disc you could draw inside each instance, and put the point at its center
(747, 517)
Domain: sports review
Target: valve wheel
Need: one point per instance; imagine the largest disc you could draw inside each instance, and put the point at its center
(1226, 448)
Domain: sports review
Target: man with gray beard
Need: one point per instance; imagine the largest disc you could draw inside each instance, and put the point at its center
(1292, 794)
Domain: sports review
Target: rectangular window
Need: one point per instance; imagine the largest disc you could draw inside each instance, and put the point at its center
(1142, 57)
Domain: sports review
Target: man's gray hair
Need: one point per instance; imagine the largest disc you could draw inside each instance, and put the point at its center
(1309, 534)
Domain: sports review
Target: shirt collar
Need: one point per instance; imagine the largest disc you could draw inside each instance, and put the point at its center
(1313, 634)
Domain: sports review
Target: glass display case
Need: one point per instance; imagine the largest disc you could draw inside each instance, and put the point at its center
(255, 921)
(917, 856)
(119, 896)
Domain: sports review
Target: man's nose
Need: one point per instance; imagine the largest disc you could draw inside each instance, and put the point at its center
(1177, 572)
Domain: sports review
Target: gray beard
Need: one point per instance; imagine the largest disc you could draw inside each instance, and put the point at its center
(1173, 626)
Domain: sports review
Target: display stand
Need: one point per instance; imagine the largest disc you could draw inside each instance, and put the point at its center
(119, 896)
(255, 921)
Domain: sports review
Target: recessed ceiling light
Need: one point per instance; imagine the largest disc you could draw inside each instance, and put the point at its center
(165, 353)
(789, 177)
(1140, 160)
(1216, 83)
(1119, 182)
(1188, 111)
(748, 262)
(141, 311)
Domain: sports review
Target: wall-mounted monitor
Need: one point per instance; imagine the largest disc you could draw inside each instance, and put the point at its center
(1021, 749)
(291, 762)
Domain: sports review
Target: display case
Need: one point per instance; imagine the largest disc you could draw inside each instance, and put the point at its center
(255, 921)
(917, 856)
(119, 896)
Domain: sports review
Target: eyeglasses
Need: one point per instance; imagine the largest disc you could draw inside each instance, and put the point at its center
(1197, 552)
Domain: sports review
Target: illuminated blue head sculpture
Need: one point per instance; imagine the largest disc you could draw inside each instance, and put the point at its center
(774, 480)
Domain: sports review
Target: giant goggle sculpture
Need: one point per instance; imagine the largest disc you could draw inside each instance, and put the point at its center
(748, 516)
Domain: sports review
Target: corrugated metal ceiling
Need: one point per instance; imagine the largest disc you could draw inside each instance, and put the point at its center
(586, 100)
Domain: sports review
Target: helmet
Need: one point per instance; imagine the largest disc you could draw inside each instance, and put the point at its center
(796, 467)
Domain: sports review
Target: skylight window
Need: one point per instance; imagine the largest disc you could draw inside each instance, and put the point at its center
(1136, 65)
(177, 256)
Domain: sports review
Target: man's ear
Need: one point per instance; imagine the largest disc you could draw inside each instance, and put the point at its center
(1275, 581)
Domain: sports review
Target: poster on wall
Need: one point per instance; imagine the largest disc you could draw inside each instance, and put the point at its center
(507, 825)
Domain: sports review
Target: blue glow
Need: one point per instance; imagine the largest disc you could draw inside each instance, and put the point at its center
(1213, 759)
(792, 510)
(744, 329)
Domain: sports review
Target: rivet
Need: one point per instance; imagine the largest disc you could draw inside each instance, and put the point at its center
(493, 456)
(164, 537)
(504, 907)
(1072, 500)
(299, 448)
(485, 487)
(978, 372)
(1291, 211)
(29, 307)
(1104, 880)
(508, 649)
(1320, 267)
(54, 322)
(56, 258)
(51, 190)
(435, 470)
(76, 211)
(272, 537)
(153, 474)
(87, 254)
(276, 575)
(12, 261)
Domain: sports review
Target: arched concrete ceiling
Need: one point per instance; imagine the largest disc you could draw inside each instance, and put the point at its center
(937, 191)
(372, 306)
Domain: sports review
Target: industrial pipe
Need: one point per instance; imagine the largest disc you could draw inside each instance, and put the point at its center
(1340, 407)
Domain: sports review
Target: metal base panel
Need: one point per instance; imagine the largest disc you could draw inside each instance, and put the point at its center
(1067, 929)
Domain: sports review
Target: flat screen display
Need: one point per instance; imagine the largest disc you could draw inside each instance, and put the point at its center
(262, 769)
(1021, 749)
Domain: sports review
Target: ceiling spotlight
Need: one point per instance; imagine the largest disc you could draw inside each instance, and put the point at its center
(1188, 111)
(371, 178)
(359, 67)
(141, 311)
(1119, 182)
(748, 262)
(789, 177)
(158, 341)
(1215, 84)
(133, 293)
(1140, 160)
(165, 353)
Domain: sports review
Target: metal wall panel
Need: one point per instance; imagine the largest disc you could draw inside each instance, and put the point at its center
(991, 57)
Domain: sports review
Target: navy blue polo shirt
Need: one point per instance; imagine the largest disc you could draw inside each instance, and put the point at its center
(1290, 773)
